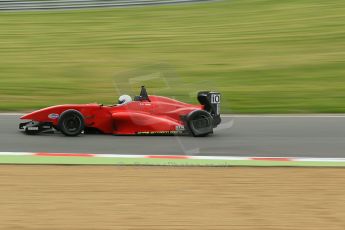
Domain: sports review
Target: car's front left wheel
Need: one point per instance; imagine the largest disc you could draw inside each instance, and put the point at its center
(71, 123)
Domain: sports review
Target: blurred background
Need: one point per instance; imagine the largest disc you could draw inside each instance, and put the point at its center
(264, 56)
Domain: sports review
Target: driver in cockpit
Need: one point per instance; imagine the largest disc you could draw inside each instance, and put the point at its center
(124, 99)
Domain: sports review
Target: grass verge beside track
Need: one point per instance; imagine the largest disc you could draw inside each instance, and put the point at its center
(264, 56)
(55, 160)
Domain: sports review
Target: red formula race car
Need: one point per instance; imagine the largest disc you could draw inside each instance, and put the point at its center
(145, 115)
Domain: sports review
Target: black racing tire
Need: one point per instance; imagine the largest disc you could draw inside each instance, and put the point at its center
(71, 123)
(200, 123)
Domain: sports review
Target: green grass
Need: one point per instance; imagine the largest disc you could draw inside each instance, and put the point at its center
(264, 56)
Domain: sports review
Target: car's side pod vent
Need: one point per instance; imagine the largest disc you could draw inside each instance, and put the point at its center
(211, 101)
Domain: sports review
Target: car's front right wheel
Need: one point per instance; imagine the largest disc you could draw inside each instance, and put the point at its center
(71, 123)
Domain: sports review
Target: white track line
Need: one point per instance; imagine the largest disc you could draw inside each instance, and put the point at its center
(177, 157)
(15, 154)
(11, 114)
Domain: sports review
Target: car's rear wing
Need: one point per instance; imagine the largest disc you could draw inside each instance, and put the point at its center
(211, 101)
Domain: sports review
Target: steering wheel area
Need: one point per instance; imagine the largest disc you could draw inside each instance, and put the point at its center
(143, 95)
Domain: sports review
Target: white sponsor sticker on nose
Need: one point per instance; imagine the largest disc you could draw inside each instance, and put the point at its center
(53, 116)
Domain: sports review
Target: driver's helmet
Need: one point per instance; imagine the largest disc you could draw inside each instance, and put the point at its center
(124, 99)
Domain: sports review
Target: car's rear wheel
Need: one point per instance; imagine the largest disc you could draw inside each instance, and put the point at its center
(71, 123)
(200, 123)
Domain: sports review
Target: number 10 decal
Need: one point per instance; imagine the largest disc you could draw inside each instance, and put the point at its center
(215, 98)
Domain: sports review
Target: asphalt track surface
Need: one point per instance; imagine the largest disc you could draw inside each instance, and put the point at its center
(266, 136)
